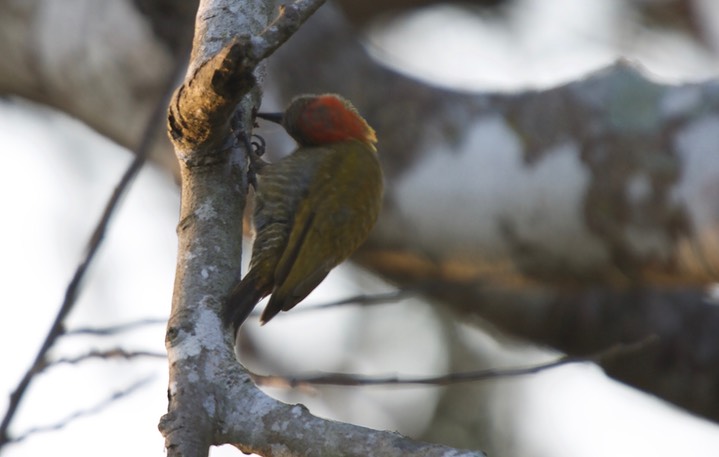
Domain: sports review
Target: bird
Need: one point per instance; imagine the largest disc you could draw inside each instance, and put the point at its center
(313, 208)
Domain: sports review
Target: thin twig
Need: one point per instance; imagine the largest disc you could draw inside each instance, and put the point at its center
(365, 300)
(156, 121)
(349, 379)
(362, 300)
(84, 412)
(115, 329)
(117, 353)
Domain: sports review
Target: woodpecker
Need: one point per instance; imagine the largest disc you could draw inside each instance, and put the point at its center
(313, 208)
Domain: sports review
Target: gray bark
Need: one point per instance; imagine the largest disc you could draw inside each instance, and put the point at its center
(212, 400)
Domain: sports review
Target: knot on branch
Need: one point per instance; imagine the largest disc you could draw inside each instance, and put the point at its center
(200, 111)
(199, 115)
(234, 69)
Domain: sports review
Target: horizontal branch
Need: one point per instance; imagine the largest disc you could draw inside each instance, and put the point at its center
(299, 433)
(357, 300)
(682, 367)
(354, 380)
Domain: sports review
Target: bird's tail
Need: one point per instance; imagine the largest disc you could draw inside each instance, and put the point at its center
(242, 300)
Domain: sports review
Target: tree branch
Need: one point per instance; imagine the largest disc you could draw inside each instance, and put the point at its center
(117, 353)
(610, 354)
(211, 398)
(682, 367)
(293, 431)
(219, 77)
(361, 300)
(115, 329)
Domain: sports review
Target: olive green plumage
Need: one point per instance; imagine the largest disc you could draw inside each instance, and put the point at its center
(313, 208)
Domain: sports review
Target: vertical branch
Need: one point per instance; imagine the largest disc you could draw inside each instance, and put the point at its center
(217, 88)
(210, 117)
(211, 398)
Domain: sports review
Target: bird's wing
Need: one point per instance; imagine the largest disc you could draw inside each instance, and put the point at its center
(327, 230)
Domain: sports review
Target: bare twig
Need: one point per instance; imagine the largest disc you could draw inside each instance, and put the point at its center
(115, 329)
(365, 300)
(348, 379)
(84, 412)
(116, 353)
(156, 121)
(362, 300)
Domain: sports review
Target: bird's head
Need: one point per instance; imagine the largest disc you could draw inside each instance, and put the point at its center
(316, 120)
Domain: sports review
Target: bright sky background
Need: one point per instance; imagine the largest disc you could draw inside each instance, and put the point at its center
(57, 176)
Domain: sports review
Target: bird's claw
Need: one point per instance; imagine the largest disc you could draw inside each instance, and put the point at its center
(258, 145)
(256, 150)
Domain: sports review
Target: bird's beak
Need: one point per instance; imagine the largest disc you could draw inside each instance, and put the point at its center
(272, 117)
